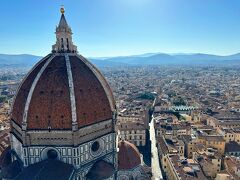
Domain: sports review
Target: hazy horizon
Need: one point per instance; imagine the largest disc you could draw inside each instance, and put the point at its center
(140, 54)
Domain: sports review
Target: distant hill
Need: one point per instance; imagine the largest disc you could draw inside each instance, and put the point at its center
(106, 63)
(24, 60)
(18, 60)
(161, 58)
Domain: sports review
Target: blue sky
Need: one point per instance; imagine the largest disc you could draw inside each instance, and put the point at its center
(123, 27)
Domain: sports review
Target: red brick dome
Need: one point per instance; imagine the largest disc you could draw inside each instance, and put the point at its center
(61, 90)
(128, 156)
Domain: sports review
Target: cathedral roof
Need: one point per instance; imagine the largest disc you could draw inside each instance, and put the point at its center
(11, 171)
(100, 170)
(128, 156)
(60, 90)
(5, 158)
(63, 90)
(47, 169)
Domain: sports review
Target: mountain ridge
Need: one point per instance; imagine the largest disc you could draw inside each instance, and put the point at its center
(142, 59)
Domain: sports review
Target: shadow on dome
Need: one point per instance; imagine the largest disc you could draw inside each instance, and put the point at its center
(100, 170)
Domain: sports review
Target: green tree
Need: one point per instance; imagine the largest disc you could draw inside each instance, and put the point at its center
(3, 99)
(179, 102)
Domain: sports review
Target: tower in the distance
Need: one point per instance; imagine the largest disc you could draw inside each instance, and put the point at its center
(64, 111)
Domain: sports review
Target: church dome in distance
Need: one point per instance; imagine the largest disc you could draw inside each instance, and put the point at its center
(128, 156)
(63, 91)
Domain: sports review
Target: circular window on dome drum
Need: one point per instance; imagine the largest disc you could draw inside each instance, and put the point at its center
(95, 146)
(52, 154)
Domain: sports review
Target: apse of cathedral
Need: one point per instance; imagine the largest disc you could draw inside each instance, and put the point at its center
(63, 122)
